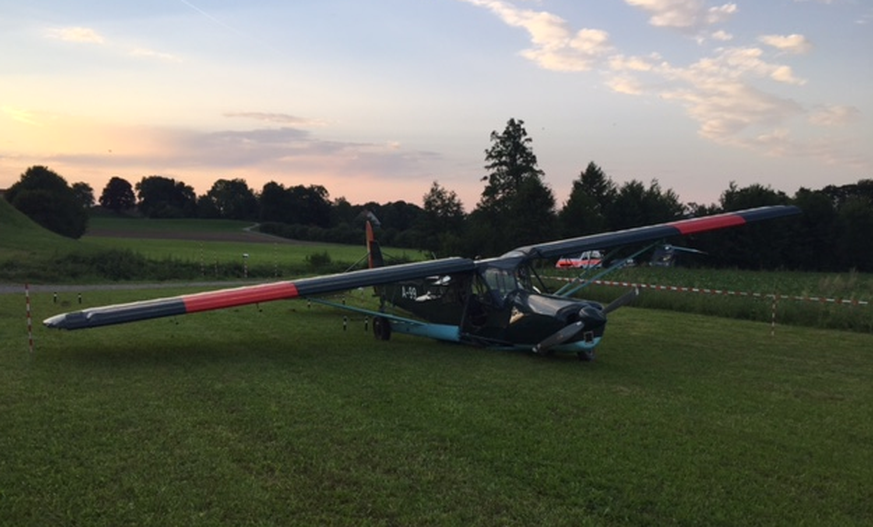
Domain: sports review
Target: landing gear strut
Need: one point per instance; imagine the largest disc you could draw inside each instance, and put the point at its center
(587, 356)
(381, 328)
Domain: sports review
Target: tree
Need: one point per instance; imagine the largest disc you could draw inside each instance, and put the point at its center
(510, 161)
(841, 194)
(400, 215)
(297, 205)
(232, 199)
(84, 194)
(118, 196)
(814, 235)
(442, 220)
(45, 197)
(274, 203)
(855, 245)
(516, 207)
(161, 197)
(592, 194)
(635, 205)
(759, 246)
(310, 205)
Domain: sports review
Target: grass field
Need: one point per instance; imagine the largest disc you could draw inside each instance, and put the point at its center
(273, 415)
(794, 289)
(161, 250)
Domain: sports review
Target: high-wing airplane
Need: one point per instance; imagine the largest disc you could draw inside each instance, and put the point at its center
(498, 302)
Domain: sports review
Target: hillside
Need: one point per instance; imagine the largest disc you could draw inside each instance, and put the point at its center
(22, 239)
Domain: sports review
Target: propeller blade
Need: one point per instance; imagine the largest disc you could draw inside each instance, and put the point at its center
(559, 337)
(622, 300)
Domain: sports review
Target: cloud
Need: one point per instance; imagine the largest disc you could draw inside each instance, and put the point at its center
(725, 91)
(624, 63)
(556, 46)
(735, 63)
(725, 110)
(834, 115)
(626, 85)
(90, 36)
(76, 34)
(686, 15)
(281, 118)
(21, 115)
(199, 157)
(797, 44)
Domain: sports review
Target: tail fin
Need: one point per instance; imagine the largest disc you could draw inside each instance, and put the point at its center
(374, 255)
(374, 252)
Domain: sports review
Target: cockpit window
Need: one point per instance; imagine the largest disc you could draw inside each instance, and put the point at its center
(500, 281)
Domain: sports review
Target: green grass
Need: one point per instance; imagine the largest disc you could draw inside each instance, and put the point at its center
(279, 252)
(162, 226)
(30, 253)
(789, 286)
(21, 239)
(848, 285)
(282, 255)
(274, 415)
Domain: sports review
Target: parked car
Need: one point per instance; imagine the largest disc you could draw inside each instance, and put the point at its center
(586, 260)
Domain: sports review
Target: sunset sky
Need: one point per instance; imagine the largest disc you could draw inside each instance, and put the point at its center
(376, 100)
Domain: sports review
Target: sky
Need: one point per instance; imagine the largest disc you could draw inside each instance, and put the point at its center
(377, 100)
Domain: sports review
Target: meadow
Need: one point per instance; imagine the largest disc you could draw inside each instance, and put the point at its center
(128, 249)
(825, 300)
(274, 414)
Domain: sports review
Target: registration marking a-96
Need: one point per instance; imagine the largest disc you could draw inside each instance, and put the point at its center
(409, 292)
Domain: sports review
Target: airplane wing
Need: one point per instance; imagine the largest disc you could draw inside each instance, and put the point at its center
(225, 298)
(653, 232)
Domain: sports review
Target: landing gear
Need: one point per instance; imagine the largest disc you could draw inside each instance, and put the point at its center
(381, 328)
(587, 355)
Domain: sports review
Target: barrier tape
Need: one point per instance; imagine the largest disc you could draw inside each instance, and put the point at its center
(724, 292)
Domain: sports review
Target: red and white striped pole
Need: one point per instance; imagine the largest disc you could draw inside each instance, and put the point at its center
(773, 315)
(29, 320)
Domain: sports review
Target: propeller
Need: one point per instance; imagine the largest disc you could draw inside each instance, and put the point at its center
(571, 330)
(559, 337)
(623, 300)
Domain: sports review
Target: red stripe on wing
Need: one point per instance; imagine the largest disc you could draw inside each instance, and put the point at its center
(709, 223)
(239, 296)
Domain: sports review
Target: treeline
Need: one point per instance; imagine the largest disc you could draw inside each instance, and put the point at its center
(516, 208)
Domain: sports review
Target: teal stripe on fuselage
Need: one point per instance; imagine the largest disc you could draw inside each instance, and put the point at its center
(443, 332)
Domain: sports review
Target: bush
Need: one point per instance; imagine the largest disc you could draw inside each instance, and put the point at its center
(317, 261)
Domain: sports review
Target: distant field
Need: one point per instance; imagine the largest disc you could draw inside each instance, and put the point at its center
(102, 224)
(177, 250)
(795, 291)
(847, 285)
(208, 240)
(273, 415)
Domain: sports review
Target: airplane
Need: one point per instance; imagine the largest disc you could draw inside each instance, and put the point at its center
(497, 302)
(666, 255)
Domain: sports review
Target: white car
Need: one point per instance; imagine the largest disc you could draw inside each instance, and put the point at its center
(586, 260)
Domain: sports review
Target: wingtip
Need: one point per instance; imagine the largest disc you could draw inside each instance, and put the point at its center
(56, 322)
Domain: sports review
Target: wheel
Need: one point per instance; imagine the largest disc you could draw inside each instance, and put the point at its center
(381, 328)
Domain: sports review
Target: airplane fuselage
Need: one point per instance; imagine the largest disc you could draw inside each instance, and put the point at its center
(494, 306)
